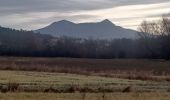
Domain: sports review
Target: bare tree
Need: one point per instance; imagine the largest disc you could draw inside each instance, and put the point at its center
(165, 25)
(156, 36)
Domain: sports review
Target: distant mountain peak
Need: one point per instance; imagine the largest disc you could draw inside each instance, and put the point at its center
(63, 22)
(106, 21)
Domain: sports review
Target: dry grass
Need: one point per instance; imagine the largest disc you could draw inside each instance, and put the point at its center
(142, 69)
(25, 81)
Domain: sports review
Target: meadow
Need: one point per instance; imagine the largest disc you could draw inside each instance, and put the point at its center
(26, 81)
(24, 78)
(143, 69)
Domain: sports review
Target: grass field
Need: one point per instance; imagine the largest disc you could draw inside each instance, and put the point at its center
(83, 79)
(40, 81)
(34, 84)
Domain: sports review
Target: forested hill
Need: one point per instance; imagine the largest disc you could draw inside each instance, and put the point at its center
(8, 35)
(20, 42)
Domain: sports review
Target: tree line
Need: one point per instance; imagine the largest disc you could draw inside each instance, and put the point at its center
(154, 42)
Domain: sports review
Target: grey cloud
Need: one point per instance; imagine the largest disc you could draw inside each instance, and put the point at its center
(21, 6)
(35, 23)
(148, 16)
(63, 8)
(61, 17)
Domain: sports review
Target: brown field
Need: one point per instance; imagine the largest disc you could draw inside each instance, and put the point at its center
(142, 69)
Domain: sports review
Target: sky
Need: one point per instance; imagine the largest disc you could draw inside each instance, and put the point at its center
(35, 14)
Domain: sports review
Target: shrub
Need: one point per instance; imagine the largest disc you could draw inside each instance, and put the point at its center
(12, 87)
(3, 89)
(127, 89)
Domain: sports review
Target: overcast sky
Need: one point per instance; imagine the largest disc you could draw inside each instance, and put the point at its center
(34, 14)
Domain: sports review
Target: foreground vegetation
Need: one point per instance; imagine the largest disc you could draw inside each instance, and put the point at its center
(21, 81)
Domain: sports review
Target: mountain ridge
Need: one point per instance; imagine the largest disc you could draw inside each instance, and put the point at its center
(97, 30)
